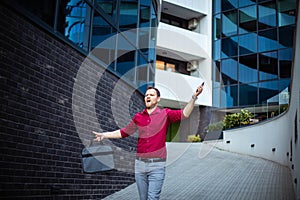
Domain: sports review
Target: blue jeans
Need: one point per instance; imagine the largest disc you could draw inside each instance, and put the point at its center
(149, 178)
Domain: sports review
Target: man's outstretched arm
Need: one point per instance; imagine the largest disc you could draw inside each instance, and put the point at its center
(109, 135)
(190, 106)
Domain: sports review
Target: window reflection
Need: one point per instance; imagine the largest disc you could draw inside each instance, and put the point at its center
(248, 22)
(268, 92)
(103, 41)
(109, 6)
(248, 69)
(229, 4)
(77, 23)
(286, 35)
(268, 67)
(267, 40)
(229, 71)
(128, 15)
(266, 15)
(229, 23)
(229, 47)
(285, 57)
(248, 94)
(248, 44)
(125, 58)
(229, 96)
(286, 12)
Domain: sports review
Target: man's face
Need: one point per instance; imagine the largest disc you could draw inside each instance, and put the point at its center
(151, 98)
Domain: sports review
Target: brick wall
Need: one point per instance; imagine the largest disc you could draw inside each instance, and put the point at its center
(40, 143)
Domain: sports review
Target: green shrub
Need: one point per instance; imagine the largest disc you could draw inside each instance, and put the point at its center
(217, 126)
(193, 138)
(237, 119)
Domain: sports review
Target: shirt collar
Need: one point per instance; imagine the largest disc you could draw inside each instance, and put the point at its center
(157, 110)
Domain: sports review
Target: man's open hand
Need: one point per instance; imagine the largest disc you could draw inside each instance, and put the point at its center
(98, 136)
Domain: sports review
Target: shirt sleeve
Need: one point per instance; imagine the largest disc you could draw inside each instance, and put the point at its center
(129, 129)
(175, 115)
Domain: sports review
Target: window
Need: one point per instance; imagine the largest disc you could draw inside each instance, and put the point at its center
(229, 23)
(175, 21)
(248, 94)
(128, 15)
(286, 12)
(285, 57)
(268, 66)
(248, 44)
(171, 65)
(266, 15)
(229, 47)
(267, 40)
(229, 96)
(217, 27)
(248, 19)
(286, 36)
(268, 92)
(77, 23)
(248, 69)
(229, 71)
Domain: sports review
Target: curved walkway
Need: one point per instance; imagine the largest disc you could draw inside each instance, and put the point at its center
(199, 171)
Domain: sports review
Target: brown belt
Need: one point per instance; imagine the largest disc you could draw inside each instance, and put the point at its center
(151, 160)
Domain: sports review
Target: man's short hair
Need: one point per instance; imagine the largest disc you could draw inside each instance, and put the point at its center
(157, 91)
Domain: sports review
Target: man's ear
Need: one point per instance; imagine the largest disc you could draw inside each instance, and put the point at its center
(158, 99)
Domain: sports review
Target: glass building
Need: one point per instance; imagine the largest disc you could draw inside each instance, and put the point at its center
(252, 53)
(85, 24)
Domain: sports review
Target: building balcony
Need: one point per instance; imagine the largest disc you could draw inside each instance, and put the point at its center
(178, 43)
(177, 89)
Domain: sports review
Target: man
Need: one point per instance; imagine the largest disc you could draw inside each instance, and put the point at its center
(151, 124)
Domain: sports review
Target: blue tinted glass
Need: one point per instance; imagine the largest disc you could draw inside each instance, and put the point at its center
(285, 57)
(284, 89)
(248, 94)
(248, 44)
(286, 36)
(229, 96)
(216, 74)
(268, 66)
(229, 71)
(267, 40)
(229, 23)
(145, 13)
(229, 47)
(217, 27)
(126, 58)
(77, 25)
(248, 19)
(229, 4)
(243, 3)
(217, 6)
(266, 15)
(268, 92)
(109, 6)
(216, 97)
(248, 69)
(128, 15)
(217, 50)
(103, 40)
(286, 12)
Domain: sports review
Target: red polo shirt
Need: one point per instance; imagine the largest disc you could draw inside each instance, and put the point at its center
(152, 131)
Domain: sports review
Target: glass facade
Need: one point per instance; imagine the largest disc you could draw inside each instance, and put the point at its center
(97, 27)
(252, 51)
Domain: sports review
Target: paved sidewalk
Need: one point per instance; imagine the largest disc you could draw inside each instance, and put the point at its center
(198, 171)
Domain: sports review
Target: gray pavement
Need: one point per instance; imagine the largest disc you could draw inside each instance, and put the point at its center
(199, 171)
